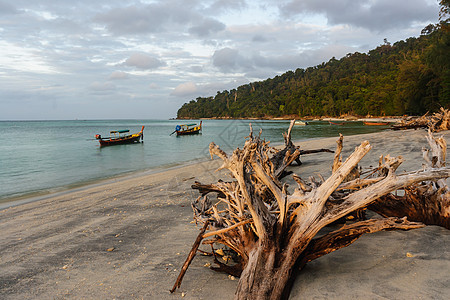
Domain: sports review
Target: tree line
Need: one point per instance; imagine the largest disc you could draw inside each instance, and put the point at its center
(411, 77)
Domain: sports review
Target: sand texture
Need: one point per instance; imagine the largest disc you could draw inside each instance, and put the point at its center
(128, 239)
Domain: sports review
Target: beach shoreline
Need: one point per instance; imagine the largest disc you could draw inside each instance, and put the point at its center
(128, 237)
(113, 179)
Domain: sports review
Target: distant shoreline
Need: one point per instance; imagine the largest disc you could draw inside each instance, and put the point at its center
(309, 118)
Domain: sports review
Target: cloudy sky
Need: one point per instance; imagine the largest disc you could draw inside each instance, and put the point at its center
(143, 59)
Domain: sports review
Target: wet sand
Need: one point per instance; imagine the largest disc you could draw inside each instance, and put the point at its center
(128, 239)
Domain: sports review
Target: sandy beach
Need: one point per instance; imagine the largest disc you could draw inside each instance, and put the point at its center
(128, 238)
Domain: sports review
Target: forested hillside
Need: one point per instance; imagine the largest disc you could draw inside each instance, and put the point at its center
(407, 77)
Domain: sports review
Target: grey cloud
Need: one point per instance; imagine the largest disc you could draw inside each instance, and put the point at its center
(207, 27)
(7, 9)
(213, 87)
(277, 62)
(191, 89)
(143, 61)
(259, 38)
(230, 60)
(133, 19)
(260, 65)
(225, 58)
(117, 75)
(185, 89)
(261, 74)
(377, 15)
(283, 62)
(101, 87)
(171, 17)
(221, 5)
(196, 69)
(303, 59)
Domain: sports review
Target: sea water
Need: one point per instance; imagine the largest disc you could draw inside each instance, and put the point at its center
(40, 157)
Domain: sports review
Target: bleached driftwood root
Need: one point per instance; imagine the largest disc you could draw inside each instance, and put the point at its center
(437, 122)
(427, 202)
(283, 158)
(272, 232)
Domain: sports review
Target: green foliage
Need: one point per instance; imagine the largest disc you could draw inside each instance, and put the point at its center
(408, 77)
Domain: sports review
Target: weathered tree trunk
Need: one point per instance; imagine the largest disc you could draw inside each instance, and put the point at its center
(259, 278)
(269, 270)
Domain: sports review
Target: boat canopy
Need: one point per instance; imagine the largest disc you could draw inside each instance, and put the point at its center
(120, 131)
(184, 126)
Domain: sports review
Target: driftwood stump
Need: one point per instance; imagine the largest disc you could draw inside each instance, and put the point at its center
(271, 232)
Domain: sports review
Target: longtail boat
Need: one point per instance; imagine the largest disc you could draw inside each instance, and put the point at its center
(119, 137)
(336, 123)
(186, 129)
(376, 123)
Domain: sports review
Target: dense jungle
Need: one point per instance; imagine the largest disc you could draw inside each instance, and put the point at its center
(410, 77)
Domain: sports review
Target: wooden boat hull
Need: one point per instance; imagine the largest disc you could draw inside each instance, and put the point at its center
(120, 141)
(129, 139)
(188, 132)
(376, 123)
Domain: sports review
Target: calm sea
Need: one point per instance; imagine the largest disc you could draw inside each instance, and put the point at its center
(39, 157)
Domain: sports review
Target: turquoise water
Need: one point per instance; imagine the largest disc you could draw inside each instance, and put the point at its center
(46, 156)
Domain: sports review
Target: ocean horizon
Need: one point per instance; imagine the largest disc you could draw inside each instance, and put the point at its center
(44, 157)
